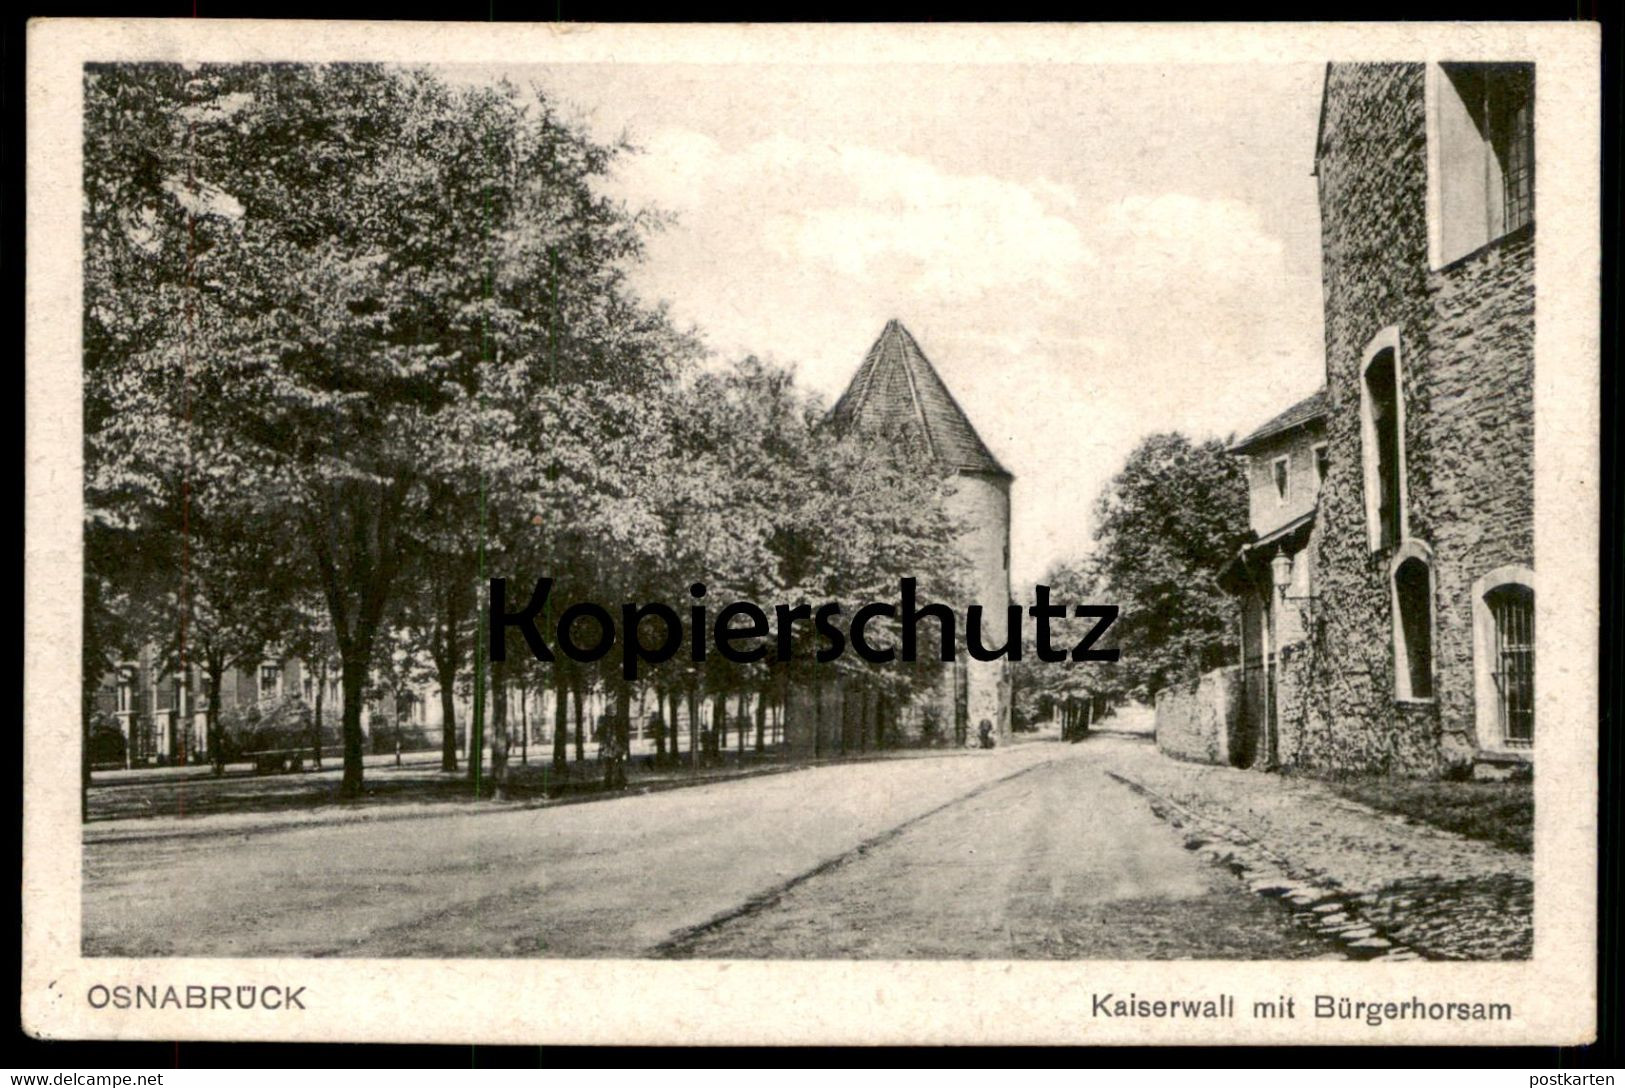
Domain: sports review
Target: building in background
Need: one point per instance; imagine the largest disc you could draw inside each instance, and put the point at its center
(150, 714)
(1286, 462)
(896, 388)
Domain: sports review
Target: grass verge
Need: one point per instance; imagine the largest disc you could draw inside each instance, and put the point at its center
(1502, 813)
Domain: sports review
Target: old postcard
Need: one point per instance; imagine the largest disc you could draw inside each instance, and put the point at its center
(812, 534)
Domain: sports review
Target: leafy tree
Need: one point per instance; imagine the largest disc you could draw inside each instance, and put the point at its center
(1165, 525)
(362, 277)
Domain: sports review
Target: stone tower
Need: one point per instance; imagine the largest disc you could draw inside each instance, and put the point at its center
(897, 386)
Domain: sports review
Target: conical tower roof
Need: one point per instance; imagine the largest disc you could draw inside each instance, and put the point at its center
(898, 387)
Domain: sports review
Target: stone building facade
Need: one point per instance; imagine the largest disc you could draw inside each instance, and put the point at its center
(1420, 655)
(897, 387)
(1271, 578)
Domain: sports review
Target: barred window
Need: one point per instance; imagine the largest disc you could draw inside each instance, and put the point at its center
(1509, 106)
(1513, 666)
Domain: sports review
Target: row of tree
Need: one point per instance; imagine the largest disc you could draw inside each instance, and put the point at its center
(357, 339)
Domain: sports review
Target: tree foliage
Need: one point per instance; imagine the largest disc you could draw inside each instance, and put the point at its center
(357, 340)
(1164, 527)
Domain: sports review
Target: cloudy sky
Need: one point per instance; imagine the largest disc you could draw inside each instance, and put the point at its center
(1086, 253)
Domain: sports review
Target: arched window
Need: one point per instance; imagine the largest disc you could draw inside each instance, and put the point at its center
(1504, 658)
(1412, 578)
(1382, 419)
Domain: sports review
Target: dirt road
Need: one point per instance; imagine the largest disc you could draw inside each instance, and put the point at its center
(1030, 851)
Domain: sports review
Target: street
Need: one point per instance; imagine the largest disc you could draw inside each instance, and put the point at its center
(1031, 851)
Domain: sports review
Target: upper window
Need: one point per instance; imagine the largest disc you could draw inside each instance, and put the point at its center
(270, 681)
(1281, 478)
(1481, 155)
(1382, 418)
(1322, 463)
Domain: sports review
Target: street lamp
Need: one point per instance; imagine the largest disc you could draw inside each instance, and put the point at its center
(1281, 572)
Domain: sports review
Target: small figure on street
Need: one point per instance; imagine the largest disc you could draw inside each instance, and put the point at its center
(613, 756)
(986, 731)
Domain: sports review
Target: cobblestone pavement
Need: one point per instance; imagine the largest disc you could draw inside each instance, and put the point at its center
(1384, 886)
(1060, 863)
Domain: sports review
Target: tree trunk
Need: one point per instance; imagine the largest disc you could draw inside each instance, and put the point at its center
(476, 718)
(622, 725)
(524, 723)
(561, 720)
(353, 679)
(499, 730)
(719, 726)
(354, 531)
(693, 726)
(841, 689)
(623, 716)
(216, 664)
(581, 713)
(864, 697)
(446, 671)
(672, 703)
(316, 725)
(818, 713)
(761, 716)
(660, 733)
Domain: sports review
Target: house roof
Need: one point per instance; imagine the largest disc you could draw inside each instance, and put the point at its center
(1307, 410)
(896, 386)
(1292, 536)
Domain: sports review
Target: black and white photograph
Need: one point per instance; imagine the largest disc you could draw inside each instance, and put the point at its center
(919, 522)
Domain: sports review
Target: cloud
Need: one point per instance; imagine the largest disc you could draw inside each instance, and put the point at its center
(1176, 234)
(1067, 323)
(873, 216)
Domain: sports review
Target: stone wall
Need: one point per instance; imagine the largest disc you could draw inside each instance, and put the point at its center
(1465, 336)
(1197, 720)
(1479, 453)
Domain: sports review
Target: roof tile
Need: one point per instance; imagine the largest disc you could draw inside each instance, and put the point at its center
(897, 386)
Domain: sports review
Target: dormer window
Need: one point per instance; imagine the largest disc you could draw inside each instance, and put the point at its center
(1481, 155)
